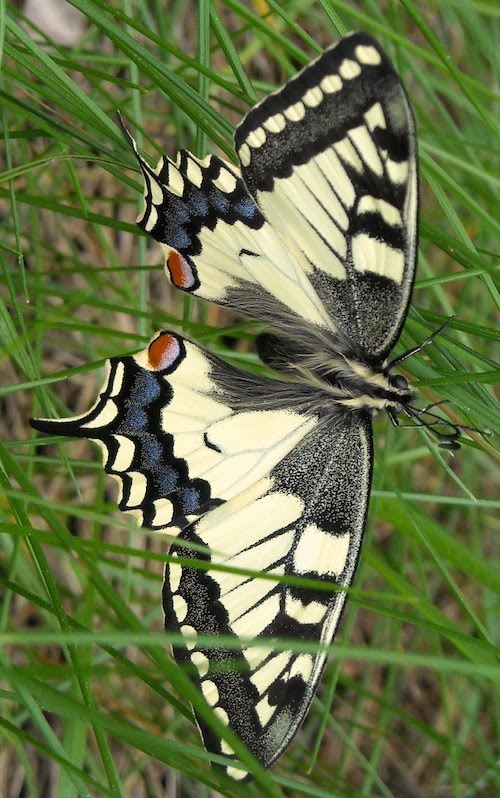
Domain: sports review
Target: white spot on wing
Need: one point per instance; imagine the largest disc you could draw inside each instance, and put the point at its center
(190, 634)
(174, 574)
(180, 607)
(229, 751)
(175, 182)
(388, 212)
(222, 715)
(374, 117)
(161, 163)
(349, 69)
(295, 112)
(194, 173)
(256, 138)
(210, 691)
(116, 477)
(371, 255)
(163, 512)
(201, 662)
(366, 54)
(397, 171)
(151, 220)
(204, 162)
(226, 181)
(321, 552)
(244, 154)
(264, 711)
(155, 189)
(236, 773)
(313, 97)
(137, 513)
(275, 123)
(124, 454)
(312, 613)
(137, 489)
(116, 386)
(302, 667)
(106, 416)
(330, 84)
(265, 676)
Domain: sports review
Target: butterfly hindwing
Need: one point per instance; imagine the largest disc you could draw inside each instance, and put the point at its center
(331, 161)
(181, 431)
(217, 243)
(304, 519)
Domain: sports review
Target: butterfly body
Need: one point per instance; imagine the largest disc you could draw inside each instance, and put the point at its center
(267, 479)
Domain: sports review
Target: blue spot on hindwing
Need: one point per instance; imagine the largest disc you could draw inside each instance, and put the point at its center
(245, 207)
(199, 204)
(190, 499)
(219, 201)
(145, 389)
(152, 451)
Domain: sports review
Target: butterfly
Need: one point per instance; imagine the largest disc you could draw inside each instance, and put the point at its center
(267, 479)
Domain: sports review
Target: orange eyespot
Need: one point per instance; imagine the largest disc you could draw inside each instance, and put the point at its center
(163, 351)
(180, 271)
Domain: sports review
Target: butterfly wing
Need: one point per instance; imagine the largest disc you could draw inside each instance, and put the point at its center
(331, 160)
(304, 519)
(180, 432)
(217, 243)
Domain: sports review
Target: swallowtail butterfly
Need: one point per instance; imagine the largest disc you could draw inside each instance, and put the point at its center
(315, 236)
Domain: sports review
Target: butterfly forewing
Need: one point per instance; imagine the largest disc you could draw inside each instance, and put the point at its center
(331, 161)
(299, 521)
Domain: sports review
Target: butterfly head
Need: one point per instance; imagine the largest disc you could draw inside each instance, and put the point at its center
(400, 393)
(400, 404)
(375, 389)
(398, 382)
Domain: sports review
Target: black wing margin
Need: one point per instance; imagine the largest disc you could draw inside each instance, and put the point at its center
(331, 161)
